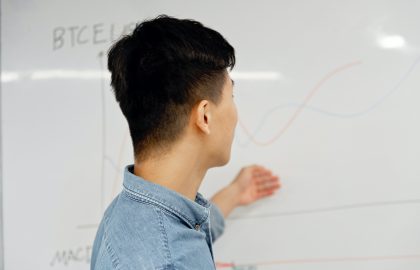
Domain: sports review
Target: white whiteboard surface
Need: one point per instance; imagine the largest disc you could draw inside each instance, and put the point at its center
(327, 94)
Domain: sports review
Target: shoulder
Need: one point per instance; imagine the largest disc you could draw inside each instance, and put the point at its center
(133, 235)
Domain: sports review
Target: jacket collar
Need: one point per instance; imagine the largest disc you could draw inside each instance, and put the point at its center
(193, 212)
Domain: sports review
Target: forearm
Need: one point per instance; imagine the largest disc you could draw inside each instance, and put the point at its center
(227, 199)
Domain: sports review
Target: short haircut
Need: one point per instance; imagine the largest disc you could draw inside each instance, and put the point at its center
(160, 71)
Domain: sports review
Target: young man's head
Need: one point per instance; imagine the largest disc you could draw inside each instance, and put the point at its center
(171, 81)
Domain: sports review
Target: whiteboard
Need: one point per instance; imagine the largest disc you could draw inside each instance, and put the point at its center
(327, 95)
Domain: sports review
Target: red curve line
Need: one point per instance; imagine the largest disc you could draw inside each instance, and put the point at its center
(324, 260)
(299, 110)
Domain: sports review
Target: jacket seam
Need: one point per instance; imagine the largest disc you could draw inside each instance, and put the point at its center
(114, 258)
(132, 195)
(162, 228)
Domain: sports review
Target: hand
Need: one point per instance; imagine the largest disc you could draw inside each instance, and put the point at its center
(253, 183)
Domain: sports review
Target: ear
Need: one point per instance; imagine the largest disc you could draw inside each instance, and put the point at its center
(202, 116)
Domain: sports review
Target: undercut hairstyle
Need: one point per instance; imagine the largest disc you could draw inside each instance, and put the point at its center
(160, 71)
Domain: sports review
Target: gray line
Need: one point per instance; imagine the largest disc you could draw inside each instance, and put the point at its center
(1, 155)
(304, 211)
(103, 135)
(87, 226)
(328, 209)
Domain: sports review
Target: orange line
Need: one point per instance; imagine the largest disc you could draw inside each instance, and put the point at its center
(324, 260)
(300, 108)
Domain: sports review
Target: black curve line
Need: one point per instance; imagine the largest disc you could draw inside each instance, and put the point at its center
(328, 209)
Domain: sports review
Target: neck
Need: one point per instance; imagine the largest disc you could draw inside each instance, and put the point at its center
(181, 170)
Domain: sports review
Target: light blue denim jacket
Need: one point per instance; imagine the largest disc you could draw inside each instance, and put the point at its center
(148, 226)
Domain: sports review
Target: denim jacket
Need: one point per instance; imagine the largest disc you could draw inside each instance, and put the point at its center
(148, 226)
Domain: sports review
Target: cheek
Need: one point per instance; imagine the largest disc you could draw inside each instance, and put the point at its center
(235, 116)
(229, 118)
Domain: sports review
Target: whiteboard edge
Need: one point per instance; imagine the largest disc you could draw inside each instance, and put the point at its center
(1, 152)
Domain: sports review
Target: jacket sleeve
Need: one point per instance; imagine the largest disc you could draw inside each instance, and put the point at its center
(217, 222)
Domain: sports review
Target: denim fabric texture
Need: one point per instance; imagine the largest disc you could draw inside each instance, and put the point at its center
(148, 226)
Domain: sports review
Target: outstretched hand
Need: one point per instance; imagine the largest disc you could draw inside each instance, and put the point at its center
(255, 182)
(251, 184)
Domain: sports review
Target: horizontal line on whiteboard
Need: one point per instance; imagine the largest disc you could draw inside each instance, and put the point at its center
(304, 211)
(329, 209)
(87, 226)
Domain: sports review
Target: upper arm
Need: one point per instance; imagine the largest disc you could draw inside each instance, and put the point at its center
(217, 222)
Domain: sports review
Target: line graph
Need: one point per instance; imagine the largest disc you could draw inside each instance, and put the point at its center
(305, 106)
(117, 166)
(305, 101)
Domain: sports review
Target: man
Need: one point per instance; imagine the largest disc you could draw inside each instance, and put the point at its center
(171, 81)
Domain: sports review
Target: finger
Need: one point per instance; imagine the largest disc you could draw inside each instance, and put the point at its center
(260, 168)
(265, 194)
(259, 173)
(255, 167)
(272, 188)
(269, 181)
(268, 184)
(271, 178)
(272, 185)
(262, 173)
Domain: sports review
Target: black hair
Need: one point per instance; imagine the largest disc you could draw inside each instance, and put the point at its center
(160, 71)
